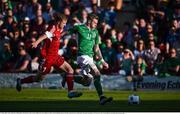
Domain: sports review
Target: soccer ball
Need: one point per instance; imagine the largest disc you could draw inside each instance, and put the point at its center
(133, 99)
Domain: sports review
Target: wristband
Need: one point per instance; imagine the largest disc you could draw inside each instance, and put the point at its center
(49, 34)
(102, 60)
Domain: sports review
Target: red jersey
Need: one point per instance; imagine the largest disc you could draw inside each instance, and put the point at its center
(51, 44)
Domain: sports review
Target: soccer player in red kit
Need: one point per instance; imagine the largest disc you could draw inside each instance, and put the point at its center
(50, 57)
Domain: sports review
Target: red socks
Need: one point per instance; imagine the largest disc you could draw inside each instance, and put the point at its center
(28, 79)
(70, 81)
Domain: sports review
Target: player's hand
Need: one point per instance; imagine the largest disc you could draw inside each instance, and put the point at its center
(34, 45)
(105, 65)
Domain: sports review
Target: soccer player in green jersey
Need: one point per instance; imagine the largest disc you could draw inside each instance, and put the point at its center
(88, 45)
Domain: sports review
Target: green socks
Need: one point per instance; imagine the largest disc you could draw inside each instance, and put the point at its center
(97, 84)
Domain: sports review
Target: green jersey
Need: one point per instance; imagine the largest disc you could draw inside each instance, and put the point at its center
(87, 38)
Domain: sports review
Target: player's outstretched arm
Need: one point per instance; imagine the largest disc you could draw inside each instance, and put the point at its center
(47, 34)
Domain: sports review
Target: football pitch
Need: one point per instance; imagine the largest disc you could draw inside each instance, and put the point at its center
(55, 100)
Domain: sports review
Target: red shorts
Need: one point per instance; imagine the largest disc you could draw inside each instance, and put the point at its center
(56, 62)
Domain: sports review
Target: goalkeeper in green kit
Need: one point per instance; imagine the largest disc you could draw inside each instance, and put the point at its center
(88, 45)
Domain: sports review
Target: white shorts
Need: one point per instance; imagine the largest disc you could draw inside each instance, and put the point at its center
(85, 60)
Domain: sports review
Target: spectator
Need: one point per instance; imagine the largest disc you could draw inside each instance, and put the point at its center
(139, 66)
(135, 35)
(120, 37)
(113, 36)
(139, 69)
(172, 64)
(128, 35)
(48, 13)
(25, 32)
(98, 11)
(157, 19)
(127, 63)
(31, 8)
(173, 34)
(8, 23)
(150, 34)
(119, 56)
(176, 45)
(142, 28)
(151, 37)
(38, 25)
(23, 63)
(103, 28)
(139, 51)
(15, 39)
(5, 5)
(34, 53)
(176, 13)
(82, 18)
(110, 14)
(151, 54)
(67, 13)
(6, 58)
(119, 40)
(19, 12)
(109, 55)
(159, 64)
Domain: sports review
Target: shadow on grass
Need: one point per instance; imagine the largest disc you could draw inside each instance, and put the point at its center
(88, 106)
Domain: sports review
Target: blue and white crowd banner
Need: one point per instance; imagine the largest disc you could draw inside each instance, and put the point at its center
(53, 81)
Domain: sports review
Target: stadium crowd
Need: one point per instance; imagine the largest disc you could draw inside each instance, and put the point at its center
(150, 45)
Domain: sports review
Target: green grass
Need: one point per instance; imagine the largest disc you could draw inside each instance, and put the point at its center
(54, 100)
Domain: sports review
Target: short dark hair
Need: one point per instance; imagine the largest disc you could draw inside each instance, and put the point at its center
(59, 17)
(92, 16)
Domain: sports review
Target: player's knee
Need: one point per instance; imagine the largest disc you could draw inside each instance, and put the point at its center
(70, 71)
(97, 73)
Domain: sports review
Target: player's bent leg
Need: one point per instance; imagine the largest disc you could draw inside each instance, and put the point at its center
(98, 85)
(103, 99)
(19, 82)
(29, 79)
(97, 82)
(69, 75)
(70, 80)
